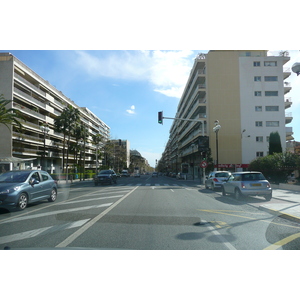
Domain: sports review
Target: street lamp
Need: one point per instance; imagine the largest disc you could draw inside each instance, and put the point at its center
(45, 129)
(80, 143)
(216, 130)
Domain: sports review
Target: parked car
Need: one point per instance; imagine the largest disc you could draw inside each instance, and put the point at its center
(216, 179)
(125, 173)
(154, 174)
(181, 176)
(19, 188)
(105, 176)
(247, 184)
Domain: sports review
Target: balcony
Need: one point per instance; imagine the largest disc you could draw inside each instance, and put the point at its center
(287, 87)
(289, 133)
(288, 118)
(286, 72)
(287, 103)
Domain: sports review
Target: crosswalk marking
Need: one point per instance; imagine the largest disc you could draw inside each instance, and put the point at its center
(55, 213)
(40, 231)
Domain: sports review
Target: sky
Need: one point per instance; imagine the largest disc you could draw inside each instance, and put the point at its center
(126, 89)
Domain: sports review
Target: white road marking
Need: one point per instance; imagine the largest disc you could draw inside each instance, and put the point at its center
(222, 239)
(87, 200)
(56, 212)
(32, 233)
(171, 190)
(82, 229)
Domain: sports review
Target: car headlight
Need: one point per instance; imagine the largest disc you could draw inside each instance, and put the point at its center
(8, 191)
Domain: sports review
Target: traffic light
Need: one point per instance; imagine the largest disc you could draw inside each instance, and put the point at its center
(203, 155)
(160, 117)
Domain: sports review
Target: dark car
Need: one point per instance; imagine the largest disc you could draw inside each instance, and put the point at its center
(105, 176)
(18, 188)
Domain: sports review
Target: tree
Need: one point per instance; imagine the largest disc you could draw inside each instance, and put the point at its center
(276, 167)
(9, 116)
(274, 143)
(65, 124)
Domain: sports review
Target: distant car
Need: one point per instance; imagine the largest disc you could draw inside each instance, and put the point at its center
(247, 184)
(180, 176)
(216, 179)
(154, 174)
(19, 188)
(137, 175)
(105, 176)
(125, 173)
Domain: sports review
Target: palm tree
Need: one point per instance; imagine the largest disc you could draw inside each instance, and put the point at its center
(9, 116)
(65, 124)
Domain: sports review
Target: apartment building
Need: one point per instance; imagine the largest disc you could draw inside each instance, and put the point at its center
(247, 92)
(41, 103)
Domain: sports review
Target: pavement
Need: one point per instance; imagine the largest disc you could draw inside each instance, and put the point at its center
(284, 203)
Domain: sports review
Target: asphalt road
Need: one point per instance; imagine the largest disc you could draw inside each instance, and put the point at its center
(146, 213)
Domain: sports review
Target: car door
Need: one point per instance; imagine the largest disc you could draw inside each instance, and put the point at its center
(229, 184)
(46, 184)
(35, 189)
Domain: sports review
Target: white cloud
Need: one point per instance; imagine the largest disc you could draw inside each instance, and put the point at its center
(131, 111)
(167, 71)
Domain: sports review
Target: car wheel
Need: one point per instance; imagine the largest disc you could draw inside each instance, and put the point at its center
(53, 195)
(237, 194)
(268, 197)
(223, 191)
(23, 201)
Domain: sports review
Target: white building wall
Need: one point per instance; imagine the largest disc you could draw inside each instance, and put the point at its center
(249, 101)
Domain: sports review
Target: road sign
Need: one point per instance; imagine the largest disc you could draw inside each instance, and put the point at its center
(203, 164)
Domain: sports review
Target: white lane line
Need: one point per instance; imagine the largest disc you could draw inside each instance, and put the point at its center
(171, 190)
(85, 227)
(32, 233)
(56, 212)
(87, 200)
(221, 237)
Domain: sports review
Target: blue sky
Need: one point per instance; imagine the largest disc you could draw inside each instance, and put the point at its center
(126, 89)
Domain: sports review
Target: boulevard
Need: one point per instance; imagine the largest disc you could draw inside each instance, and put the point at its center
(146, 213)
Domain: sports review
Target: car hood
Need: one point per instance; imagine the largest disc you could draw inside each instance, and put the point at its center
(104, 175)
(9, 185)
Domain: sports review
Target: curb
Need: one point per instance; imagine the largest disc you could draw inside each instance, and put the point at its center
(280, 214)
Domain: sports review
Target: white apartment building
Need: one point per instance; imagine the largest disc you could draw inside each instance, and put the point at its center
(246, 91)
(40, 103)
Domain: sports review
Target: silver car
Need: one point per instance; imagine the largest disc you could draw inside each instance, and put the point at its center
(215, 179)
(247, 184)
(18, 188)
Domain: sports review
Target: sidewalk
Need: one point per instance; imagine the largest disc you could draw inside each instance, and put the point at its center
(289, 208)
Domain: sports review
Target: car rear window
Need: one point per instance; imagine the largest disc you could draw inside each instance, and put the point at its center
(221, 175)
(253, 176)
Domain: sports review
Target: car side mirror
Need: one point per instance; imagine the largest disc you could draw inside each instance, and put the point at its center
(34, 181)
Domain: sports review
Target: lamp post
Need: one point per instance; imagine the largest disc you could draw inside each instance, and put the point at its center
(193, 145)
(80, 143)
(216, 130)
(45, 129)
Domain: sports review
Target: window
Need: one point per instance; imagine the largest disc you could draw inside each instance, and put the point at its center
(257, 78)
(258, 108)
(270, 63)
(271, 78)
(259, 139)
(272, 123)
(271, 93)
(256, 63)
(44, 176)
(257, 93)
(259, 154)
(248, 53)
(272, 108)
(258, 123)
(268, 138)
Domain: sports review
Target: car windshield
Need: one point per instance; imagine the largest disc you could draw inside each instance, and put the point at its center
(105, 172)
(14, 176)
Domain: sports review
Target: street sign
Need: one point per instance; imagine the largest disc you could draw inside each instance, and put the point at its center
(203, 164)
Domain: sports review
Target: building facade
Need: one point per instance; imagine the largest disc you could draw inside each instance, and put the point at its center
(247, 92)
(40, 103)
